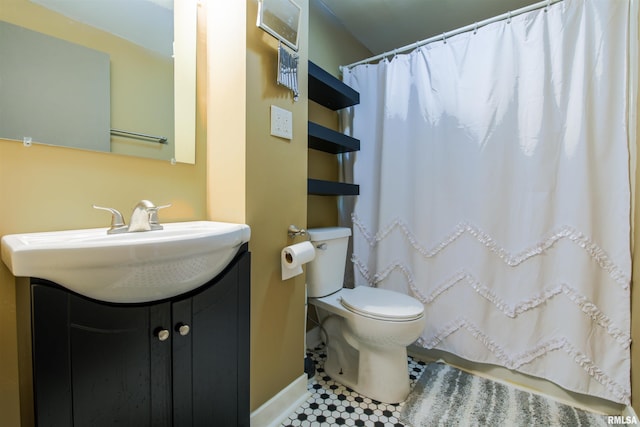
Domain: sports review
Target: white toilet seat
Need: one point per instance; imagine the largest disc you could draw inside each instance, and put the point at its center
(382, 304)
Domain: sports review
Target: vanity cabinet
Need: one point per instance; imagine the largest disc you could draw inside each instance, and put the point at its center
(178, 362)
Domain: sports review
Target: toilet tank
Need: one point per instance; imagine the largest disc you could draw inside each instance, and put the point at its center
(325, 274)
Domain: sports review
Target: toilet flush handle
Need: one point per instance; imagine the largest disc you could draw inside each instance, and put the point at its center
(322, 246)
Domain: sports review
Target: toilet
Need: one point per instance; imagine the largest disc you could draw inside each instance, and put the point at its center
(366, 330)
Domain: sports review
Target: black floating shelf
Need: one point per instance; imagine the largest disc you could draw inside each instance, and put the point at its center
(330, 141)
(327, 90)
(331, 188)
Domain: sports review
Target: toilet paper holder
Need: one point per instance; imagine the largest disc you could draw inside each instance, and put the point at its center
(295, 231)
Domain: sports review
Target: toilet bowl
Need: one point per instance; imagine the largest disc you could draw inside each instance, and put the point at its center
(366, 330)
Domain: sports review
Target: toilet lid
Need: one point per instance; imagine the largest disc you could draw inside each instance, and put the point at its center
(382, 304)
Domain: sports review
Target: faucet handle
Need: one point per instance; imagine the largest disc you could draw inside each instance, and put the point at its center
(117, 221)
(153, 216)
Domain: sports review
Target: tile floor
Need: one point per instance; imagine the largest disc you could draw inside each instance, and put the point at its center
(332, 404)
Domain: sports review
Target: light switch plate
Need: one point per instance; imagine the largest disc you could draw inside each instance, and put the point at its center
(281, 122)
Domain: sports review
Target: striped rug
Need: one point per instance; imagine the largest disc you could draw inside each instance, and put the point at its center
(446, 396)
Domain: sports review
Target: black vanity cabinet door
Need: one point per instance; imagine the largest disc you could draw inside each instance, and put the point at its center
(211, 361)
(97, 364)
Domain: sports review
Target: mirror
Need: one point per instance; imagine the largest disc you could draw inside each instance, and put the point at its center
(137, 94)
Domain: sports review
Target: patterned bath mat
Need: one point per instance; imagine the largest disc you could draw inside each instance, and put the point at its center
(446, 396)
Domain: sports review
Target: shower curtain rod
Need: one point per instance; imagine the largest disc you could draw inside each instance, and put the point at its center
(543, 4)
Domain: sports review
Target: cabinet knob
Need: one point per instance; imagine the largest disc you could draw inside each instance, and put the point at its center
(162, 334)
(183, 329)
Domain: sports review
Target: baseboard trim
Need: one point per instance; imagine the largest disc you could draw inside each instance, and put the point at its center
(280, 406)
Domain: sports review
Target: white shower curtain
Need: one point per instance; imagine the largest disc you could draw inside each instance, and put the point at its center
(494, 187)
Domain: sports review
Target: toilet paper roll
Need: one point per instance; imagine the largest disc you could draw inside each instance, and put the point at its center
(294, 256)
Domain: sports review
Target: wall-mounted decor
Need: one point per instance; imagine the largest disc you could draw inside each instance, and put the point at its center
(281, 19)
(288, 70)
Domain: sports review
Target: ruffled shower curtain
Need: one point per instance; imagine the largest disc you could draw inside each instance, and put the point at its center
(494, 187)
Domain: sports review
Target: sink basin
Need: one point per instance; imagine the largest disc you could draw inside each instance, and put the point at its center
(128, 267)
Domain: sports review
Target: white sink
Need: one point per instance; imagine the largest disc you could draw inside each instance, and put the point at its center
(128, 267)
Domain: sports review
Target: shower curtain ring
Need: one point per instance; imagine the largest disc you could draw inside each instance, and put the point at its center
(509, 18)
(475, 28)
(444, 38)
(546, 8)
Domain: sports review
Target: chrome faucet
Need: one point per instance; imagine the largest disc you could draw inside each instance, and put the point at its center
(117, 222)
(143, 218)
